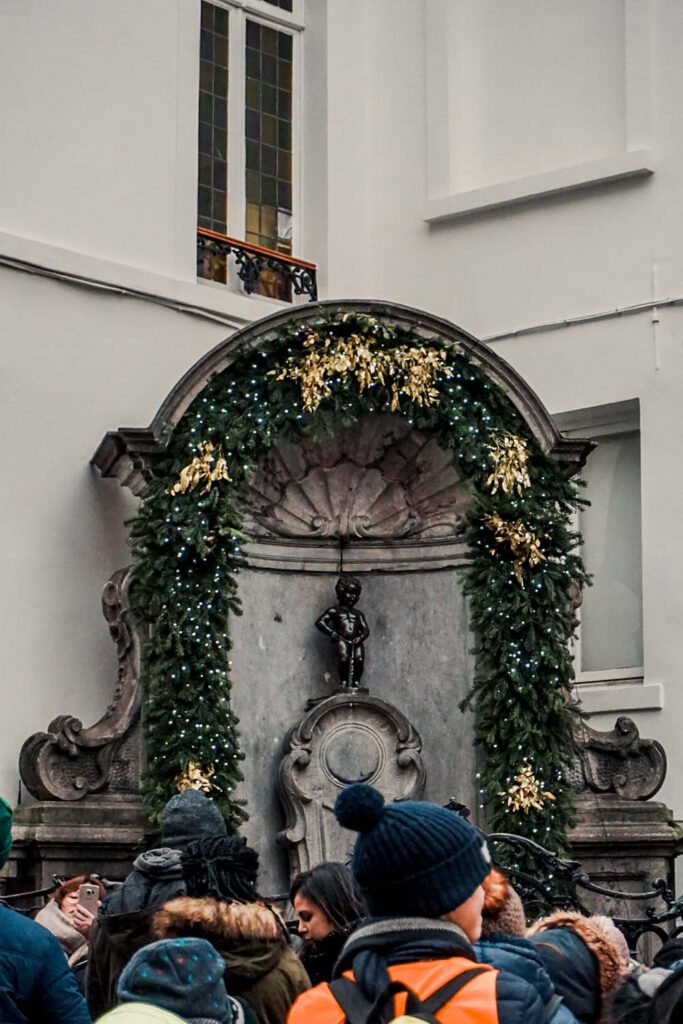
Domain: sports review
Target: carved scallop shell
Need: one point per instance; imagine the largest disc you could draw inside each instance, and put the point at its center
(376, 480)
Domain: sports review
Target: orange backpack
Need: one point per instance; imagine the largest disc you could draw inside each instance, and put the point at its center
(360, 1010)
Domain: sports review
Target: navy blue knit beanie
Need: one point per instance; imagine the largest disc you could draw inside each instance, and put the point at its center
(184, 976)
(411, 858)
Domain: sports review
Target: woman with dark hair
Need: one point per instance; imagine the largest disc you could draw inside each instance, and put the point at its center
(329, 905)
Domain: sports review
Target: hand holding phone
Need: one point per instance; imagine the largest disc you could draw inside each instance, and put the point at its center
(89, 897)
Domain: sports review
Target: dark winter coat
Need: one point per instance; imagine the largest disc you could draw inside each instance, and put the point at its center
(123, 924)
(379, 945)
(36, 984)
(319, 957)
(261, 967)
(584, 966)
(518, 956)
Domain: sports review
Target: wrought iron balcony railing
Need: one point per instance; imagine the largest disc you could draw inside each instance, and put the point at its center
(262, 271)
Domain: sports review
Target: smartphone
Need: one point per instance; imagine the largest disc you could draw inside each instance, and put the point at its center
(89, 896)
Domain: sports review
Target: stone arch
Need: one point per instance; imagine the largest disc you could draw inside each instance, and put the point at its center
(129, 452)
(130, 455)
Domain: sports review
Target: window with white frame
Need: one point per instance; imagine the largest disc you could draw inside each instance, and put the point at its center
(248, 104)
(610, 644)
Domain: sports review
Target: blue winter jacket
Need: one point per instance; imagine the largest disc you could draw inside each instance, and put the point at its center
(37, 985)
(518, 956)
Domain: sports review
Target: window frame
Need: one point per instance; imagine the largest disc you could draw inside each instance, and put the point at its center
(239, 12)
(596, 422)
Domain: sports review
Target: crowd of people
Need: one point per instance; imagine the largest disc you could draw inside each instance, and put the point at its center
(421, 926)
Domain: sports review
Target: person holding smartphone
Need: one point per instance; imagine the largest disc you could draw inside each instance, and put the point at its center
(69, 916)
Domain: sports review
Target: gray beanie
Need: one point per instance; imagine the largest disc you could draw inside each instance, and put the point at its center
(189, 816)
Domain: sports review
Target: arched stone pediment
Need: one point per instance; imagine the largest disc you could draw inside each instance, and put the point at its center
(129, 453)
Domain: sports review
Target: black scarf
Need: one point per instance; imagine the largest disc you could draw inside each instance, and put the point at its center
(383, 941)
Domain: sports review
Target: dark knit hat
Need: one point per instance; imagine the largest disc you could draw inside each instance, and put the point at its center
(5, 830)
(184, 976)
(410, 857)
(188, 816)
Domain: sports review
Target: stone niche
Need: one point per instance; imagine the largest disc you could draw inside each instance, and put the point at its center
(382, 501)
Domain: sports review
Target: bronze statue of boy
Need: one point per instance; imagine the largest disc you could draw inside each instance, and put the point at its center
(348, 630)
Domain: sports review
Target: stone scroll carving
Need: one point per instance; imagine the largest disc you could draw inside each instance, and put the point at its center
(376, 480)
(619, 761)
(68, 762)
(341, 740)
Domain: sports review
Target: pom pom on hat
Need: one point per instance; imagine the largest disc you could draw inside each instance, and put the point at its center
(359, 807)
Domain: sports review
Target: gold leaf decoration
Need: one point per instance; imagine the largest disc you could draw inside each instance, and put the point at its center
(207, 467)
(526, 792)
(523, 543)
(410, 372)
(196, 777)
(510, 456)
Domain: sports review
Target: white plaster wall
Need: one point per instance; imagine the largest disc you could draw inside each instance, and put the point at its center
(99, 120)
(553, 258)
(73, 366)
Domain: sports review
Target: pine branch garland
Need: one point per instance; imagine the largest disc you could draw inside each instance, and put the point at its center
(187, 548)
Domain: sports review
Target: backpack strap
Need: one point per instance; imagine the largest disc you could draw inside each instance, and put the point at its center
(354, 1003)
(451, 988)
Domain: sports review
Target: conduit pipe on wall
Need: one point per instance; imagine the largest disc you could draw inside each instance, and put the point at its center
(77, 280)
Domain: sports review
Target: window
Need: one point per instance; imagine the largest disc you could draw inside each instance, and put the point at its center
(610, 644)
(247, 174)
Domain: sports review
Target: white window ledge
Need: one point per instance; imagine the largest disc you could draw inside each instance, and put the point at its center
(624, 695)
(633, 164)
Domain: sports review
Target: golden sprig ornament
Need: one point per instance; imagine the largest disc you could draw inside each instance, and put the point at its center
(197, 777)
(510, 457)
(526, 793)
(410, 372)
(207, 467)
(523, 543)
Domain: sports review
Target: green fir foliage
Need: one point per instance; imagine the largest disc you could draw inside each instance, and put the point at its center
(188, 553)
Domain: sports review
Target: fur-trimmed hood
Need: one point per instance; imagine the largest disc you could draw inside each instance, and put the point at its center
(260, 966)
(250, 936)
(564, 962)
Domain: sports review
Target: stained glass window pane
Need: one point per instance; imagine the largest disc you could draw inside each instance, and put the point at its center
(268, 127)
(212, 197)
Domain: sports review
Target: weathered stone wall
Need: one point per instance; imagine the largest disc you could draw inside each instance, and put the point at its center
(418, 658)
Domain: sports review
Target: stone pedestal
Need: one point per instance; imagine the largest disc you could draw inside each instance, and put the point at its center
(99, 835)
(351, 737)
(627, 845)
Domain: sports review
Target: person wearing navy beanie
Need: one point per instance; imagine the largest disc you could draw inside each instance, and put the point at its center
(420, 868)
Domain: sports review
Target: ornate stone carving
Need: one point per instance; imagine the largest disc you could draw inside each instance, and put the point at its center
(68, 762)
(619, 761)
(375, 480)
(343, 739)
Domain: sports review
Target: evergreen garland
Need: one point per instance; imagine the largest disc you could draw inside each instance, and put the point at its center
(188, 551)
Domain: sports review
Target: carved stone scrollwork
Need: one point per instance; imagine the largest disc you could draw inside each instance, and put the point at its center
(68, 762)
(619, 761)
(343, 739)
